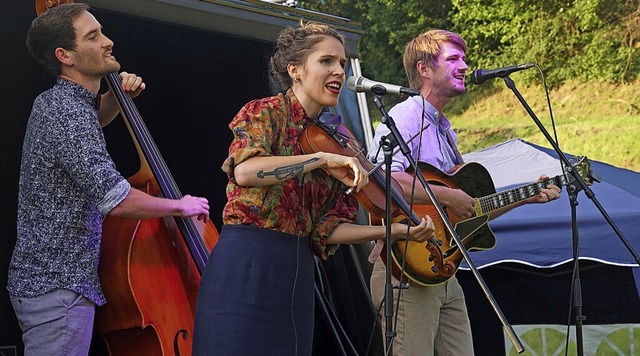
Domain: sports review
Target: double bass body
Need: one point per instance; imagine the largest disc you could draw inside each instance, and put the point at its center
(151, 284)
(150, 269)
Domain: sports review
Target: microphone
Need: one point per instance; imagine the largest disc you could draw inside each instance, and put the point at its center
(480, 76)
(361, 84)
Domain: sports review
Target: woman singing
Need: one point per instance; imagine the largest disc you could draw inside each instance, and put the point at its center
(257, 294)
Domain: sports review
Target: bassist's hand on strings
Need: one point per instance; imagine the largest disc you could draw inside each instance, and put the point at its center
(132, 84)
(109, 107)
(193, 206)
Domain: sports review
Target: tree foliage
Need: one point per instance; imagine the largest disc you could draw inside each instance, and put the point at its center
(582, 40)
(579, 40)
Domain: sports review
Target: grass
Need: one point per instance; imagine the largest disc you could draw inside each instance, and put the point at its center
(597, 120)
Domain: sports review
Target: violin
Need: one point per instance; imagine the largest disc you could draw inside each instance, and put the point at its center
(328, 134)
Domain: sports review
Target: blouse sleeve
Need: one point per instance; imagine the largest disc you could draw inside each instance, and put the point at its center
(253, 134)
(345, 210)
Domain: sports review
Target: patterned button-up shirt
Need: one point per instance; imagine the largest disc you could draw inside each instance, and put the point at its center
(68, 184)
(309, 205)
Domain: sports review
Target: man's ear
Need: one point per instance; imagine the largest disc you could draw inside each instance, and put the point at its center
(63, 56)
(424, 70)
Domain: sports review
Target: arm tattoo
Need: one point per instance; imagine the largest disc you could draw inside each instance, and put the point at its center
(282, 173)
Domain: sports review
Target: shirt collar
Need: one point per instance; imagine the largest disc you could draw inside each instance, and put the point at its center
(81, 92)
(434, 116)
(298, 115)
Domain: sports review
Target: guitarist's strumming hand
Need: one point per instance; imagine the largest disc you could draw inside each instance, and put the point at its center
(552, 192)
(457, 201)
(419, 233)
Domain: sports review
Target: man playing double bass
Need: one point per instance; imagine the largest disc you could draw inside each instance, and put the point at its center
(68, 184)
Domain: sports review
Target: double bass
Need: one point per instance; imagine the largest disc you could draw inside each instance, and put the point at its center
(150, 270)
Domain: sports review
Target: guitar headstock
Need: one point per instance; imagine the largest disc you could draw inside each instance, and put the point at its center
(582, 165)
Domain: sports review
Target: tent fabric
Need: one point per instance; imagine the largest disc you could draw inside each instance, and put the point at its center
(533, 242)
(529, 271)
(539, 235)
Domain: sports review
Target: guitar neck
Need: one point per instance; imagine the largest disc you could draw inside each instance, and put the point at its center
(487, 204)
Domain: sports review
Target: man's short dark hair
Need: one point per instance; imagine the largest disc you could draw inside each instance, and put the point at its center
(53, 29)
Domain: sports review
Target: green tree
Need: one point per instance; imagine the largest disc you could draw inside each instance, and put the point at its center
(580, 40)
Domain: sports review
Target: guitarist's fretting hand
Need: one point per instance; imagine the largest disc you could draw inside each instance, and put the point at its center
(552, 192)
(459, 203)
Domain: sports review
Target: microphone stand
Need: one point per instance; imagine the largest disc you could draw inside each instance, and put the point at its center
(397, 139)
(390, 333)
(573, 189)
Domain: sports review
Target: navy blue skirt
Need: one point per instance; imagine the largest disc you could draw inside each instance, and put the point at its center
(256, 296)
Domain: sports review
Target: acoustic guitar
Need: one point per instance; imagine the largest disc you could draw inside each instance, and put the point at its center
(413, 261)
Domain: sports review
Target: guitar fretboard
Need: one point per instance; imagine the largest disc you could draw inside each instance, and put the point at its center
(505, 198)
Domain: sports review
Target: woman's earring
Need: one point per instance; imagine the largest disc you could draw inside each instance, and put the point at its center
(295, 80)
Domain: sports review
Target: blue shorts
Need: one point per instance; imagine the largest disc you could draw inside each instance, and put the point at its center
(59, 322)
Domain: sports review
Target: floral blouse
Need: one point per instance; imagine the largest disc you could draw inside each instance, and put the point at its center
(309, 205)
